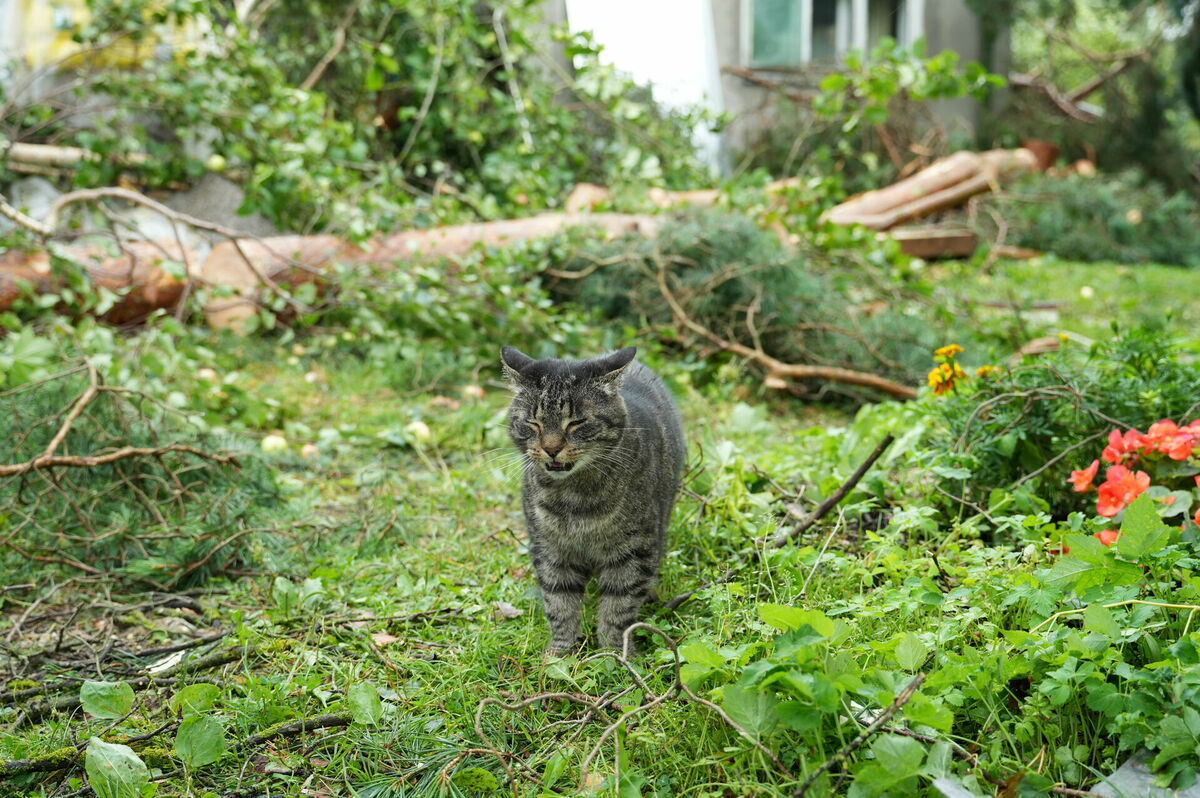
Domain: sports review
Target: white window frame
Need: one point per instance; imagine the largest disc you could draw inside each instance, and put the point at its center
(850, 31)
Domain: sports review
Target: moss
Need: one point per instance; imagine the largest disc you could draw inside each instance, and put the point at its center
(22, 684)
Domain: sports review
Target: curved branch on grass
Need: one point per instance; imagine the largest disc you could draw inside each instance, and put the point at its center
(777, 370)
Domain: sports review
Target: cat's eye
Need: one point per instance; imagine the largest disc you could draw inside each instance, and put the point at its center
(576, 424)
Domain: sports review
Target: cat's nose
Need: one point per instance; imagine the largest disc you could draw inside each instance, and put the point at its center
(552, 450)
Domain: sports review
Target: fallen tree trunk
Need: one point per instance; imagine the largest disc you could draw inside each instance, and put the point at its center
(945, 184)
(248, 266)
(137, 273)
(586, 196)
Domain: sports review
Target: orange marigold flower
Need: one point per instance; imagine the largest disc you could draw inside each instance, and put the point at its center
(1107, 536)
(949, 350)
(1120, 445)
(986, 371)
(1082, 480)
(1121, 486)
(1166, 437)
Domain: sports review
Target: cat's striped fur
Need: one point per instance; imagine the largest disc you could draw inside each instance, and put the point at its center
(604, 452)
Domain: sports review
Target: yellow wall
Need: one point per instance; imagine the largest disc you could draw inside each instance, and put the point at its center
(46, 27)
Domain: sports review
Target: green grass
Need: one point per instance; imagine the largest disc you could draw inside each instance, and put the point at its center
(416, 546)
(1087, 298)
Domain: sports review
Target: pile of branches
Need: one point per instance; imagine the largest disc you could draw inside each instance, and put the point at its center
(104, 481)
(797, 313)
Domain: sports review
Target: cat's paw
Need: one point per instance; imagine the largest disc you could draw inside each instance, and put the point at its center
(559, 650)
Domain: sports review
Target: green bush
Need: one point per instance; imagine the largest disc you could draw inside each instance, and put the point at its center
(993, 438)
(1118, 218)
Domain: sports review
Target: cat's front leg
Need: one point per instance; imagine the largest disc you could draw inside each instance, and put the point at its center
(562, 597)
(625, 585)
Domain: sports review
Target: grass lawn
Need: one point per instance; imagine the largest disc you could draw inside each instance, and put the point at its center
(401, 564)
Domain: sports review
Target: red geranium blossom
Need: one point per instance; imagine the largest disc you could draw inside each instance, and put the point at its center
(1120, 488)
(1168, 438)
(1120, 445)
(1107, 536)
(1082, 479)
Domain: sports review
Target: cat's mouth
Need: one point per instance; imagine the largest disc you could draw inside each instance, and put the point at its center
(561, 467)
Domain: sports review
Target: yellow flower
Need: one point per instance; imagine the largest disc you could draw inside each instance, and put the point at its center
(984, 371)
(949, 350)
(942, 377)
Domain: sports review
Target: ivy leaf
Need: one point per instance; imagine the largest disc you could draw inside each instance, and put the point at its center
(757, 713)
(106, 699)
(1142, 531)
(365, 704)
(200, 741)
(114, 771)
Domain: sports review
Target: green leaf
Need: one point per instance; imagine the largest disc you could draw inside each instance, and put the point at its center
(106, 699)
(631, 784)
(1074, 573)
(365, 704)
(555, 766)
(701, 654)
(194, 699)
(900, 756)
(1097, 618)
(911, 652)
(114, 771)
(923, 711)
(476, 779)
(755, 712)
(1142, 531)
(200, 741)
(790, 618)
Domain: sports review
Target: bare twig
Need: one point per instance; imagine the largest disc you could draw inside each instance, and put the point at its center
(339, 42)
(427, 102)
(91, 461)
(297, 727)
(777, 368)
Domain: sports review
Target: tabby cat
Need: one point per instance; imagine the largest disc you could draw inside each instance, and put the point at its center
(603, 452)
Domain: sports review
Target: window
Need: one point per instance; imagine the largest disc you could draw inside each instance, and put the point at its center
(792, 33)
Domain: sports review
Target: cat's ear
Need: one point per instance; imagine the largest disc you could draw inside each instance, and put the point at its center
(609, 369)
(513, 362)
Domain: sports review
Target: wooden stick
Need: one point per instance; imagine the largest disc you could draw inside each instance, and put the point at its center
(854, 744)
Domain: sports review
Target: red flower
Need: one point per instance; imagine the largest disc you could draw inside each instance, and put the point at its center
(1120, 488)
(1082, 480)
(1197, 516)
(1121, 445)
(1168, 438)
(1107, 536)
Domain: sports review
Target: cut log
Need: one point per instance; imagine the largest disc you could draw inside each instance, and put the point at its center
(58, 157)
(945, 184)
(931, 242)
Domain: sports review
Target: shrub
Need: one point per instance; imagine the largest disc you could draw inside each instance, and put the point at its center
(166, 520)
(1003, 439)
(1120, 218)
